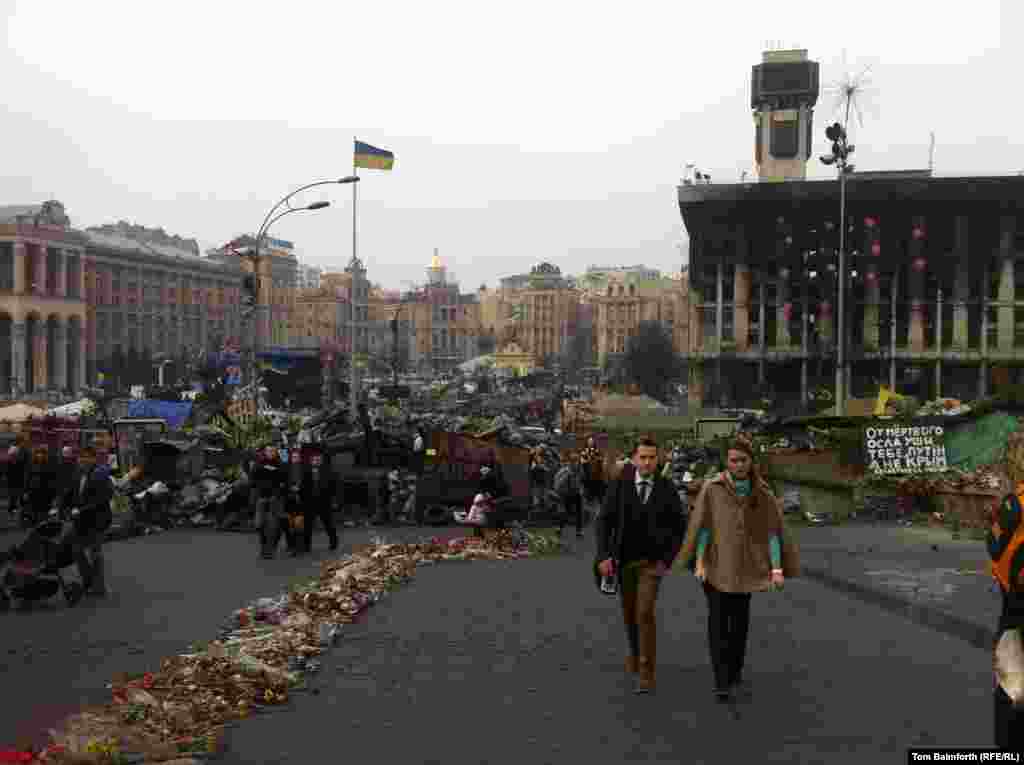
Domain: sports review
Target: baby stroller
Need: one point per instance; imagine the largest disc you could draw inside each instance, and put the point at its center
(31, 571)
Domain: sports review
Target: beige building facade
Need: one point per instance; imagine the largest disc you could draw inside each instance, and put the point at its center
(537, 313)
(620, 298)
(43, 312)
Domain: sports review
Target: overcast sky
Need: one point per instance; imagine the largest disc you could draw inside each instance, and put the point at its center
(522, 132)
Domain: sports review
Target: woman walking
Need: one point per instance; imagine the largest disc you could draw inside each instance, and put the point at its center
(736, 545)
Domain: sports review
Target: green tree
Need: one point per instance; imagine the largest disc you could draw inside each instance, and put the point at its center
(650, 360)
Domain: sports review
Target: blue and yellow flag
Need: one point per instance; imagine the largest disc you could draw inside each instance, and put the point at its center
(373, 158)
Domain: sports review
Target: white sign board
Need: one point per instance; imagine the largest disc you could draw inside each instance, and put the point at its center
(905, 449)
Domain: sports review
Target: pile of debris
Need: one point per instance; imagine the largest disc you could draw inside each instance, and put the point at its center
(262, 655)
(691, 462)
(944, 407)
(984, 479)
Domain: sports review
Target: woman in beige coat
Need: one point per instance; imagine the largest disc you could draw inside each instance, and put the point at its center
(735, 545)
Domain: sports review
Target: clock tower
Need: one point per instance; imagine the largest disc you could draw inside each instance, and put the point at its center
(783, 91)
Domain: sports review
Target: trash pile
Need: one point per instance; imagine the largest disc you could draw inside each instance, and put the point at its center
(690, 462)
(193, 506)
(983, 479)
(504, 426)
(262, 655)
(944, 407)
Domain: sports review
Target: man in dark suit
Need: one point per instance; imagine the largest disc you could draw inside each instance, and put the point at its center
(319, 494)
(639, 532)
(92, 517)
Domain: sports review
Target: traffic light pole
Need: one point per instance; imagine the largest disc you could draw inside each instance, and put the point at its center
(839, 157)
(840, 395)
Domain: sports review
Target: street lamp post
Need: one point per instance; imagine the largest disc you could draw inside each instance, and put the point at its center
(161, 365)
(255, 255)
(839, 157)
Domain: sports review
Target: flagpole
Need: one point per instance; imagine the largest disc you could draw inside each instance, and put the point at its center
(352, 293)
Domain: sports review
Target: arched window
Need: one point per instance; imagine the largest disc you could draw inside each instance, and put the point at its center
(621, 291)
(632, 290)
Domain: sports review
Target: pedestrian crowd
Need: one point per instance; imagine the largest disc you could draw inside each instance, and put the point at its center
(731, 538)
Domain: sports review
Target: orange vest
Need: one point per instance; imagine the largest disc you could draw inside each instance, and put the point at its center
(1002, 566)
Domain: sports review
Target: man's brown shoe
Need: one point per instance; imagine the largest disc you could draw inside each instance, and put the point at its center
(645, 677)
(632, 665)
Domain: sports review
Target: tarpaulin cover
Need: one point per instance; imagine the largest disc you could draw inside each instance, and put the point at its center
(174, 412)
(978, 442)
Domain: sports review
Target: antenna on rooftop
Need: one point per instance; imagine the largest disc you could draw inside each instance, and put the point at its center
(931, 154)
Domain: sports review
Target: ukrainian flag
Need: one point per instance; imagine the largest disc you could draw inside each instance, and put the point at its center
(373, 158)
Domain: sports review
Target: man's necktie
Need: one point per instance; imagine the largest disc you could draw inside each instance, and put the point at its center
(644, 491)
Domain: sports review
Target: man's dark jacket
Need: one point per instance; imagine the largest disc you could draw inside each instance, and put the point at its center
(68, 474)
(17, 472)
(41, 487)
(315, 492)
(663, 511)
(270, 479)
(93, 500)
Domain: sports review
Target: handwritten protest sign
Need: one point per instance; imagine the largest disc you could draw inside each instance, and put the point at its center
(905, 449)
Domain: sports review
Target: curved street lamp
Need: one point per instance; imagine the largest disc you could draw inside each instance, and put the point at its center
(271, 218)
(269, 221)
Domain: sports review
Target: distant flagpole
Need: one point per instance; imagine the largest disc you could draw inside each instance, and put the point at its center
(352, 293)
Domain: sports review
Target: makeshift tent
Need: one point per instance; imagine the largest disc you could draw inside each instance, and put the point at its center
(20, 413)
(174, 412)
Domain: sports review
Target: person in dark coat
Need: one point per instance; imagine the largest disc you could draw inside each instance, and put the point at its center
(369, 435)
(270, 484)
(319, 495)
(67, 477)
(17, 473)
(293, 503)
(41, 486)
(92, 517)
(639, 532)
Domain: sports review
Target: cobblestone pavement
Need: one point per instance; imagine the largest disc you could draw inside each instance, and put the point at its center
(921, 573)
(169, 590)
(513, 662)
(517, 661)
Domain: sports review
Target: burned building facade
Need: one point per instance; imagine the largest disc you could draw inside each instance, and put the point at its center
(931, 290)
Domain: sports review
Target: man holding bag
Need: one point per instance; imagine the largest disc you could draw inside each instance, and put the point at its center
(639, 532)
